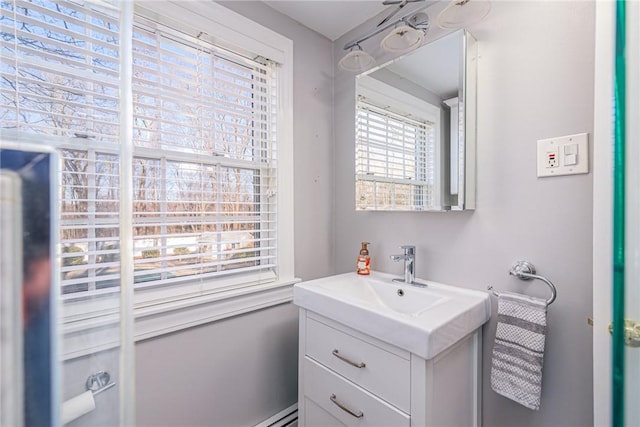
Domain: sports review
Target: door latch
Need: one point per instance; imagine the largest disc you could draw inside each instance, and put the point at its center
(631, 332)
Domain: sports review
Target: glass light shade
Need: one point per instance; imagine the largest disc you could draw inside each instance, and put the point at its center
(462, 13)
(402, 38)
(356, 60)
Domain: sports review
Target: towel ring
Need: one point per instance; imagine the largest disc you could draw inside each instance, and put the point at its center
(524, 270)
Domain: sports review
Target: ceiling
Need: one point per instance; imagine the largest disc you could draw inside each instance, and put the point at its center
(331, 18)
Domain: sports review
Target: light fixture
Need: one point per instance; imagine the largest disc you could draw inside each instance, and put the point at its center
(356, 60)
(462, 13)
(407, 33)
(403, 38)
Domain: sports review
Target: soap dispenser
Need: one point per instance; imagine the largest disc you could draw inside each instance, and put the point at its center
(363, 265)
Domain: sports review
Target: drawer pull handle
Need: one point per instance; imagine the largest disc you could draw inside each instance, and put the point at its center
(358, 365)
(357, 414)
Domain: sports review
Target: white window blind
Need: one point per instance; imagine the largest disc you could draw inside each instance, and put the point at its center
(204, 135)
(395, 159)
(204, 172)
(60, 77)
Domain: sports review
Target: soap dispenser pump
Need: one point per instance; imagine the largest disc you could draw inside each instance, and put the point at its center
(363, 265)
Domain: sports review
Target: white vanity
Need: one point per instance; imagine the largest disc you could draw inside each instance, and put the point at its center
(379, 353)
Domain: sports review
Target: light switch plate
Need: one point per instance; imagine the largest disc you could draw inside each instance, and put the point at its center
(564, 155)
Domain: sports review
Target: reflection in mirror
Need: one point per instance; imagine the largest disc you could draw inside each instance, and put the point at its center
(415, 129)
(27, 273)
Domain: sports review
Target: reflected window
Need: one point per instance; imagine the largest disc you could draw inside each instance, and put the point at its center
(397, 148)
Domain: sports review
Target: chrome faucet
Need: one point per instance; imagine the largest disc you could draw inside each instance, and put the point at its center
(409, 258)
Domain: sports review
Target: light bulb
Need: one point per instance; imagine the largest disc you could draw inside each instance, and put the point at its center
(356, 60)
(402, 38)
(462, 13)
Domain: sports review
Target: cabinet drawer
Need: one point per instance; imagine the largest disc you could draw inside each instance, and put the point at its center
(315, 416)
(347, 402)
(384, 374)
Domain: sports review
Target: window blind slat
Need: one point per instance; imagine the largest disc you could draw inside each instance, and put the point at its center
(46, 8)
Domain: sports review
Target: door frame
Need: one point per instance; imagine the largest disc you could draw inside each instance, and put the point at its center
(602, 209)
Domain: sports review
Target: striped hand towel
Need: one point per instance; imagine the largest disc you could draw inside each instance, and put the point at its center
(518, 350)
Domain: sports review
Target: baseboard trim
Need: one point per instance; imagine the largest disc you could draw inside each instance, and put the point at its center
(286, 418)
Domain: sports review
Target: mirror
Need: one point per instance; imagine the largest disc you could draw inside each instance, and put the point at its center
(28, 357)
(416, 129)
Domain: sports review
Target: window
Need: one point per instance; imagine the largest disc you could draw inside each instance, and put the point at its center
(208, 203)
(205, 159)
(395, 158)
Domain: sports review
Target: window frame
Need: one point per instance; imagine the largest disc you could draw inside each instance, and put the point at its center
(161, 309)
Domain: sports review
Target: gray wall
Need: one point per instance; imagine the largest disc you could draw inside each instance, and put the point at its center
(242, 370)
(313, 137)
(235, 372)
(74, 376)
(535, 81)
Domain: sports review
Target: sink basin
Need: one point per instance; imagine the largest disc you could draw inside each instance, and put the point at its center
(424, 321)
(385, 295)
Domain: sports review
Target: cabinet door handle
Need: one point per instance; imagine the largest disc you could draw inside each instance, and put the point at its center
(357, 414)
(358, 365)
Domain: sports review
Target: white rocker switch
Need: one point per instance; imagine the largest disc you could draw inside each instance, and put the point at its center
(571, 154)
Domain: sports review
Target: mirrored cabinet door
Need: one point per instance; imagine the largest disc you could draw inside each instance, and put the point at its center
(415, 129)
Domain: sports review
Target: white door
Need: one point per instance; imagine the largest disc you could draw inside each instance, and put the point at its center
(616, 388)
(628, 343)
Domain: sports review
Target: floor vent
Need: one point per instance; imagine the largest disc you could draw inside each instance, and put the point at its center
(285, 418)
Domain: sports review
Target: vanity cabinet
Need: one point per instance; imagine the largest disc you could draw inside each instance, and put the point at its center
(348, 378)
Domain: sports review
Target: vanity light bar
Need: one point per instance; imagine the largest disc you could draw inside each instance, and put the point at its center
(415, 20)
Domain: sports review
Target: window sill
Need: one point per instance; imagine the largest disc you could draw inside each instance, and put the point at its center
(89, 335)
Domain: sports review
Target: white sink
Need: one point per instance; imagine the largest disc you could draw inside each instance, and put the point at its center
(424, 321)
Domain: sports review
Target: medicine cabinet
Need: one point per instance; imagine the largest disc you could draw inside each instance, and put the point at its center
(416, 129)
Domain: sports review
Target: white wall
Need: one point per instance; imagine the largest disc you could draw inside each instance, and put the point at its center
(535, 81)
